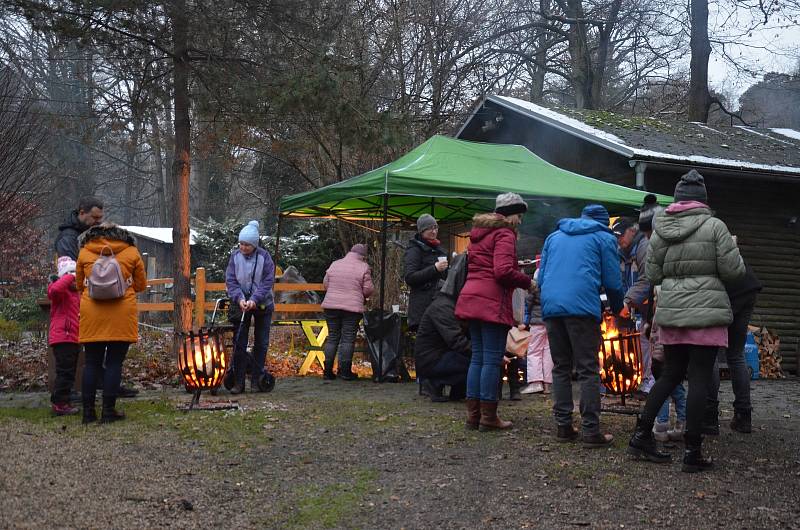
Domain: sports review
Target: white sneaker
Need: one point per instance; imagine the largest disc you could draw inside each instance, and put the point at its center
(532, 388)
(660, 432)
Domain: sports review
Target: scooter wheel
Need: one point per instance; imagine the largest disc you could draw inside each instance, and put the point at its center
(266, 383)
(229, 381)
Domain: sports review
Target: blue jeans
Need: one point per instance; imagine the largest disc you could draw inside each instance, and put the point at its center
(262, 324)
(488, 345)
(679, 398)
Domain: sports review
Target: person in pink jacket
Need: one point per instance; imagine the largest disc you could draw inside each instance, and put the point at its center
(63, 336)
(485, 302)
(348, 284)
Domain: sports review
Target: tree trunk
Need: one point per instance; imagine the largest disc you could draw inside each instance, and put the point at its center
(699, 96)
(181, 172)
(131, 176)
(161, 184)
(580, 56)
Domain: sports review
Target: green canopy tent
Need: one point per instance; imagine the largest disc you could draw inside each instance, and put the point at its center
(452, 180)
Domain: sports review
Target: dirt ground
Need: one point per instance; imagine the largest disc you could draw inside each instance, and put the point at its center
(363, 455)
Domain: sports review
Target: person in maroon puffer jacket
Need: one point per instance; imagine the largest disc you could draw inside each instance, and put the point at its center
(63, 336)
(485, 302)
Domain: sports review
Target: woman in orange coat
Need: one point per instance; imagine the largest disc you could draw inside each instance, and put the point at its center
(107, 327)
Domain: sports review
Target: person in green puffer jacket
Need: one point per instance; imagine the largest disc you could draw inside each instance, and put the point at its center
(692, 255)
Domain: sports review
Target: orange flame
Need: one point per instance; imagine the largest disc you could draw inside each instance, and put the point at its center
(204, 366)
(620, 359)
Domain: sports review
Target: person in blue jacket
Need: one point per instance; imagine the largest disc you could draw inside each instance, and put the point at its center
(577, 261)
(249, 279)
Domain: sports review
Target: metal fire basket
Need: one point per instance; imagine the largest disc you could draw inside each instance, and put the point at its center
(202, 360)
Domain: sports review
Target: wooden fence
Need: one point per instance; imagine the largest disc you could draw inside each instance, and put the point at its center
(203, 302)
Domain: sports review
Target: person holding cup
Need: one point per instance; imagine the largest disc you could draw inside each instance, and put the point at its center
(485, 303)
(425, 268)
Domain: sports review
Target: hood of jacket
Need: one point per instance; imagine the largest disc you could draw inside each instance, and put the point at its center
(111, 233)
(73, 222)
(675, 226)
(484, 224)
(581, 225)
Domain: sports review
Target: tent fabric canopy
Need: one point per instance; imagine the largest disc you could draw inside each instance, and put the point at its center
(453, 180)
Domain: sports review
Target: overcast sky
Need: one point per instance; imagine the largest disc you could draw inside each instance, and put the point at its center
(775, 48)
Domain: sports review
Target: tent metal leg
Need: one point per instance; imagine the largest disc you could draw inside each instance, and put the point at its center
(277, 252)
(384, 229)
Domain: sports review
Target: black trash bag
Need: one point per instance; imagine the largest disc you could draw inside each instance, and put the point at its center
(384, 329)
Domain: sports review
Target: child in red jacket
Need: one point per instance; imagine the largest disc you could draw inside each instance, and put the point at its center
(63, 337)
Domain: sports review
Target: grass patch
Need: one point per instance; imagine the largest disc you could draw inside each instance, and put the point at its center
(330, 506)
(219, 432)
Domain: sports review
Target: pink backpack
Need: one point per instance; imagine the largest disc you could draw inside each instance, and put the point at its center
(106, 281)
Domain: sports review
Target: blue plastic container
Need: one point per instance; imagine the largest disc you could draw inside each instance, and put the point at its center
(751, 356)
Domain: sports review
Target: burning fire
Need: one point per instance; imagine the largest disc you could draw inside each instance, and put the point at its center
(620, 358)
(202, 361)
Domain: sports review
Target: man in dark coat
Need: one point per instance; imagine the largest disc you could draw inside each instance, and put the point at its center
(88, 214)
(425, 268)
(743, 295)
(442, 349)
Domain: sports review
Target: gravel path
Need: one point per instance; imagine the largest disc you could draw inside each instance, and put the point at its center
(361, 455)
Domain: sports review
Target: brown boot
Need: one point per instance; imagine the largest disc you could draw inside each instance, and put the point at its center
(473, 414)
(489, 419)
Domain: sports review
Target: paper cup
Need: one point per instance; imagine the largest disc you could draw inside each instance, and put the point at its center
(395, 308)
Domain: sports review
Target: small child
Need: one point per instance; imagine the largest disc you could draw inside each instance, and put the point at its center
(661, 430)
(63, 336)
(539, 363)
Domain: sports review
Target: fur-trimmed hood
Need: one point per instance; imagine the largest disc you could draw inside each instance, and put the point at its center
(106, 231)
(486, 223)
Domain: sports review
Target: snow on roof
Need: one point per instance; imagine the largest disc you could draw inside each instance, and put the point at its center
(791, 133)
(631, 134)
(162, 235)
(566, 120)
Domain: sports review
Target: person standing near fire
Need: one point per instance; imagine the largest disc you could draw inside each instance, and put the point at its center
(486, 303)
(577, 261)
(692, 256)
(249, 279)
(108, 325)
(633, 245)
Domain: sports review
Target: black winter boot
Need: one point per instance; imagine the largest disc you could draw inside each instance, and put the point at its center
(89, 412)
(742, 421)
(643, 445)
(328, 374)
(710, 422)
(346, 372)
(110, 414)
(693, 460)
(434, 390)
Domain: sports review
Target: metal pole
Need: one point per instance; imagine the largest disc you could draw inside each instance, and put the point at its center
(278, 239)
(384, 229)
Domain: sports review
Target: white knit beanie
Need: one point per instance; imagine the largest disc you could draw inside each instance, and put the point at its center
(249, 233)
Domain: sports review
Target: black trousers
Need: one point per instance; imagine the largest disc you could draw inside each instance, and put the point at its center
(100, 355)
(66, 354)
(680, 360)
